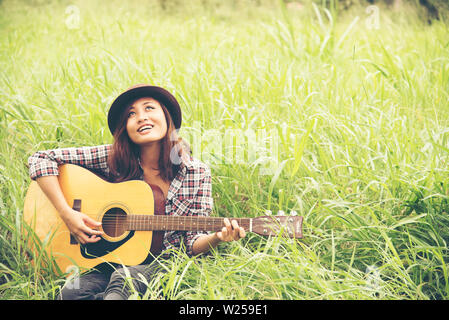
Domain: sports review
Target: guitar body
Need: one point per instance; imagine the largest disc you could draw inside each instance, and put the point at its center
(132, 216)
(105, 202)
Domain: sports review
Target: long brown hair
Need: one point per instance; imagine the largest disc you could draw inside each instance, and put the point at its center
(124, 163)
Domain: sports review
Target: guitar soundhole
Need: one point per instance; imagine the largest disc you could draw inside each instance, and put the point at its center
(114, 222)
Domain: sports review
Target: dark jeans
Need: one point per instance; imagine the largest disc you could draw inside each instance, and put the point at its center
(106, 282)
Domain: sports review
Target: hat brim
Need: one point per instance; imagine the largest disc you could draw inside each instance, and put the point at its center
(157, 93)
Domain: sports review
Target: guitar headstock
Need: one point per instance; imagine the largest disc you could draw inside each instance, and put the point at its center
(287, 226)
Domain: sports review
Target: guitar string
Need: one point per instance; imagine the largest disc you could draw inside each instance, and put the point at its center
(143, 218)
(185, 224)
(172, 220)
(165, 223)
(120, 221)
(205, 224)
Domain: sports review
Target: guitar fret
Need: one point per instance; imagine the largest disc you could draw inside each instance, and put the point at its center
(182, 223)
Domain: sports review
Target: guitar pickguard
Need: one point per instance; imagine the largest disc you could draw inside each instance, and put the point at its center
(102, 247)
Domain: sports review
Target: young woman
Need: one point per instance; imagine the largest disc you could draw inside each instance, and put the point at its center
(144, 121)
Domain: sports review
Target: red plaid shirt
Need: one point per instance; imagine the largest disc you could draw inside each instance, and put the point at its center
(190, 192)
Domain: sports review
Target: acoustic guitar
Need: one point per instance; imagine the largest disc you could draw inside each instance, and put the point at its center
(133, 220)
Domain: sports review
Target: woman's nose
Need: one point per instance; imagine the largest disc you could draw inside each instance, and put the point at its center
(142, 116)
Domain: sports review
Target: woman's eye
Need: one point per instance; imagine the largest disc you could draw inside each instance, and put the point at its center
(149, 107)
(131, 113)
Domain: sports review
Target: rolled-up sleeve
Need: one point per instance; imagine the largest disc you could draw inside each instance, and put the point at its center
(194, 198)
(45, 163)
(202, 205)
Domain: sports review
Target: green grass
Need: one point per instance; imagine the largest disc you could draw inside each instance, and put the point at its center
(359, 116)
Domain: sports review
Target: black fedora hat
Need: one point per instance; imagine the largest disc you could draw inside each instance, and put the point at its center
(139, 91)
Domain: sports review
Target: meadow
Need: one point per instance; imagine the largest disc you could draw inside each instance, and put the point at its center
(354, 103)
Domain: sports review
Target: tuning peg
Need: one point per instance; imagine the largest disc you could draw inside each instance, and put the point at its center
(293, 213)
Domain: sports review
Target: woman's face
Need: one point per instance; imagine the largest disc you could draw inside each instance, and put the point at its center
(146, 121)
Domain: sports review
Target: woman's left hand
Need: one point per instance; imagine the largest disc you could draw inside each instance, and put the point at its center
(231, 231)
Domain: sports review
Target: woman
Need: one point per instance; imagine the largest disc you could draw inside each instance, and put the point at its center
(144, 121)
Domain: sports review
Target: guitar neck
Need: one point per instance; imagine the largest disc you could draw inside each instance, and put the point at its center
(195, 223)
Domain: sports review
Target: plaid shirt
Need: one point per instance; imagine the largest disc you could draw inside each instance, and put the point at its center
(190, 192)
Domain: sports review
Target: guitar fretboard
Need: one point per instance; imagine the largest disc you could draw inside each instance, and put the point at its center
(195, 223)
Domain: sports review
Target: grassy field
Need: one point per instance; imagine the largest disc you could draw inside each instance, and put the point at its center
(355, 115)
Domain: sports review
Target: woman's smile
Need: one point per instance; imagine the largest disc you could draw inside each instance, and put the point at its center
(145, 129)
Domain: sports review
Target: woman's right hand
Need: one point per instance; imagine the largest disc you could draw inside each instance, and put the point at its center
(79, 224)
(82, 226)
